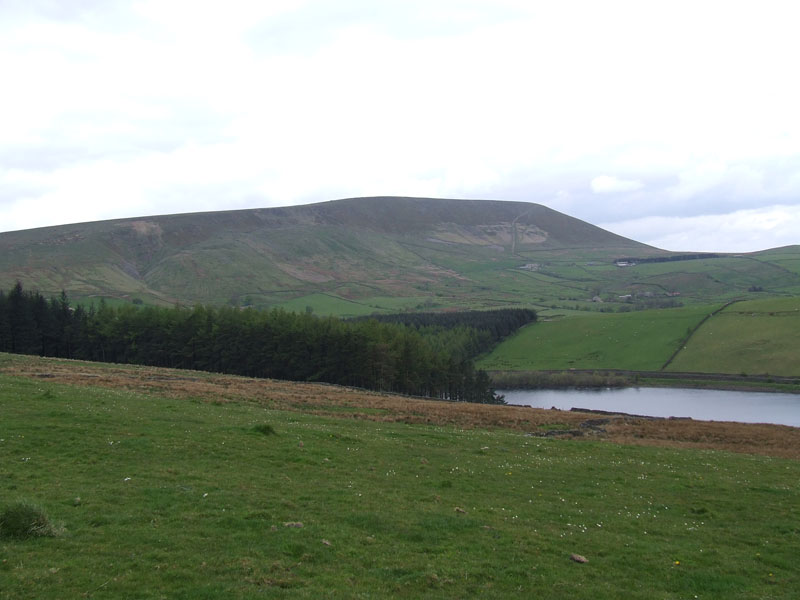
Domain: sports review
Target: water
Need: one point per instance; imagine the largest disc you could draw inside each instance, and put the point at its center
(706, 405)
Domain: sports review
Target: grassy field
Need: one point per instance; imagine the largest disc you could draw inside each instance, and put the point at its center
(750, 337)
(188, 485)
(637, 340)
(758, 336)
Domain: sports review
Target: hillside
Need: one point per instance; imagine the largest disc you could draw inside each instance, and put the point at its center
(638, 341)
(382, 254)
(756, 336)
(752, 337)
(355, 250)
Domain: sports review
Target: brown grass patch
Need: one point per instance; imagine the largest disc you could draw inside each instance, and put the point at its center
(328, 400)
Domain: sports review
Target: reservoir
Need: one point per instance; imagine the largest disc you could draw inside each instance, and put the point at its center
(705, 405)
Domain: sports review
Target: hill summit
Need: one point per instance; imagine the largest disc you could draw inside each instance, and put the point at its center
(355, 249)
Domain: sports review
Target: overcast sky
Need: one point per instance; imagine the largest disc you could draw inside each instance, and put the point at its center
(674, 123)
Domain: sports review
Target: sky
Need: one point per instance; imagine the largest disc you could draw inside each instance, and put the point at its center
(674, 123)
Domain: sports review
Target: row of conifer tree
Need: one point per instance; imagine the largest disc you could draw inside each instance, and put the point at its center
(423, 358)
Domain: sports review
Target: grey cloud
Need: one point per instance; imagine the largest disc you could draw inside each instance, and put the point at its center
(35, 157)
(81, 136)
(568, 188)
(13, 192)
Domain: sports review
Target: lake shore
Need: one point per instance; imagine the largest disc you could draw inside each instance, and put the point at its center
(619, 378)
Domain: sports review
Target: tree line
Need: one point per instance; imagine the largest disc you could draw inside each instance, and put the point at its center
(670, 258)
(369, 354)
(465, 333)
(496, 323)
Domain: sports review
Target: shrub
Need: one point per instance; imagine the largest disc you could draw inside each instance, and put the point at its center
(264, 428)
(24, 520)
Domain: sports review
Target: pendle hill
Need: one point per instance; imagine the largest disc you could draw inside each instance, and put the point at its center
(364, 256)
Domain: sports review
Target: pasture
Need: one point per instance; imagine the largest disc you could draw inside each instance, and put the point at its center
(190, 485)
(748, 337)
(753, 337)
(637, 340)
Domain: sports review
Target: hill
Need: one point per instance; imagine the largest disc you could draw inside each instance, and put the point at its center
(385, 254)
(351, 254)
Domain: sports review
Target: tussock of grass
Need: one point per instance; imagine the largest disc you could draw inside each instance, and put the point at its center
(265, 429)
(23, 520)
(554, 427)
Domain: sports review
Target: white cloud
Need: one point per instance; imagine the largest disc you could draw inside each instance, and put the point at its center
(607, 184)
(740, 231)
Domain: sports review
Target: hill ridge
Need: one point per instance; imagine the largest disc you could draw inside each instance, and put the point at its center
(355, 256)
(312, 248)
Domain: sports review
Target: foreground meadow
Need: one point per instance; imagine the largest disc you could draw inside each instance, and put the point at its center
(165, 490)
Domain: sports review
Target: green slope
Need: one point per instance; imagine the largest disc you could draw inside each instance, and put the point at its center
(413, 252)
(638, 341)
(752, 337)
(357, 248)
(755, 337)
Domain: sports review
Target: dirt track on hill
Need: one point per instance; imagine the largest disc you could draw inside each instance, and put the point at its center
(341, 402)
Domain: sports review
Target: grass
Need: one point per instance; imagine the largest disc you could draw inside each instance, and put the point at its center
(23, 520)
(749, 337)
(783, 306)
(636, 340)
(178, 498)
(264, 429)
(758, 336)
